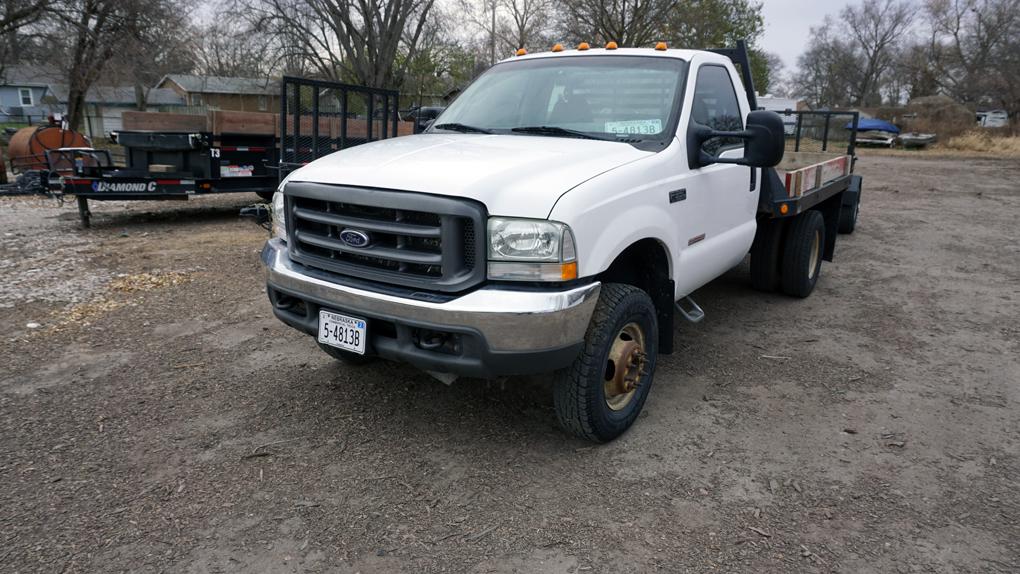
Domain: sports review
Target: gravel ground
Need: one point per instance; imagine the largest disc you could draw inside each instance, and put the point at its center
(158, 418)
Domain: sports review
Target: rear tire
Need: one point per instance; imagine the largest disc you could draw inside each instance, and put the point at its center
(346, 357)
(848, 216)
(601, 394)
(802, 254)
(766, 252)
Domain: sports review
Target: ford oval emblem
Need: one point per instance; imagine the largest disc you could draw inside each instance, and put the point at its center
(355, 238)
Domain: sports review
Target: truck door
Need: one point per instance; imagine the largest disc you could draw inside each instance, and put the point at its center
(721, 193)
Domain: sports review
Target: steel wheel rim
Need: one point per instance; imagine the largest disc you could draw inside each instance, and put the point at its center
(625, 367)
(816, 248)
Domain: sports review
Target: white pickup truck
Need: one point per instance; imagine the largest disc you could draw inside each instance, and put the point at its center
(552, 219)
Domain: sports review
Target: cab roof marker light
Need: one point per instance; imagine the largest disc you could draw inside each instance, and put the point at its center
(611, 46)
(660, 46)
(557, 48)
(583, 46)
(522, 52)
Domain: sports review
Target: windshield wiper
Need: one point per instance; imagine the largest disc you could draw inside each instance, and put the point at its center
(558, 131)
(462, 128)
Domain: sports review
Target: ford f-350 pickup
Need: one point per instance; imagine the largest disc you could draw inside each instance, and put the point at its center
(553, 219)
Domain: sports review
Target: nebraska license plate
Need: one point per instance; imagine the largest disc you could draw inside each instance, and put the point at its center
(342, 332)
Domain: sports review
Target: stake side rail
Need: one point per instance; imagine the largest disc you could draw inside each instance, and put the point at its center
(319, 117)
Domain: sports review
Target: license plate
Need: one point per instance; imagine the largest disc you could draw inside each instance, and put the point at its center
(342, 332)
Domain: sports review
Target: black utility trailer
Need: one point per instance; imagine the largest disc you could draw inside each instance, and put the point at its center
(176, 156)
(170, 165)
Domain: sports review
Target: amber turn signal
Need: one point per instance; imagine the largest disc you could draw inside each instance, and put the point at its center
(568, 271)
(784, 209)
(583, 46)
(611, 46)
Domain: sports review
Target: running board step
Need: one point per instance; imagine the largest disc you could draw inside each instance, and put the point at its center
(690, 310)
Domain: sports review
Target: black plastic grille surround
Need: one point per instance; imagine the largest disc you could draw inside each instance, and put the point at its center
(415, 240)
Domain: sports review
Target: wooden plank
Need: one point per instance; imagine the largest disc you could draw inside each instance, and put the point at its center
(807, 171)
(254, 123)
(234, 122)
(159, 121)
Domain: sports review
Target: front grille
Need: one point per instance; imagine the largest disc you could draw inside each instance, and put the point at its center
(415, 240)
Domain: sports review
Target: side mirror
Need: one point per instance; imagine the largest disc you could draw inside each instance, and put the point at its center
(764, 142)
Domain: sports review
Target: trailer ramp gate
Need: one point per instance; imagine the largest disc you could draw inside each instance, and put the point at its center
(319, 117)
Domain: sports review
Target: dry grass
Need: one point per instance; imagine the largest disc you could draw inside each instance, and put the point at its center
(84, 314)
(975, 143)
(984, 143)
(147, 281)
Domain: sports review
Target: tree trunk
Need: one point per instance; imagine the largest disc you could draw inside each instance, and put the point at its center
(76, 108)
(140, 97)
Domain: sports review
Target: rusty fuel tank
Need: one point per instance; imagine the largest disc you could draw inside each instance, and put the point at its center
(27, 150)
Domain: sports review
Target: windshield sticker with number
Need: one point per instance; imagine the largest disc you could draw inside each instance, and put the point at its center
(644, 127)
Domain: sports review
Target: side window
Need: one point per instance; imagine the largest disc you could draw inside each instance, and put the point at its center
(715, 105)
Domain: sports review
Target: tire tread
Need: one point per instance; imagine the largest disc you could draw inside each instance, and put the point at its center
(572, 392)
(797, 254)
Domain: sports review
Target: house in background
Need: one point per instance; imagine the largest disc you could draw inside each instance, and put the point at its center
(22, 89)
(223, 93)
(105, 105)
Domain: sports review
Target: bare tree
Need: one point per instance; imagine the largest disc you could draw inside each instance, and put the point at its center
(228, 48)
(15, 16)
(17, 13)
(828, 69)
(86, 34)
(973, 48)
(876, 26)
(526, 24)
(160, 42)
(368, 41)
(627, 22)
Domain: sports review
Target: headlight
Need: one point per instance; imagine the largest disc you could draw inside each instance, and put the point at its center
(279, 216)
(531, 250)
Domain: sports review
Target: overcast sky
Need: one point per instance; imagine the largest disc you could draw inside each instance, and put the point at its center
(788, 22)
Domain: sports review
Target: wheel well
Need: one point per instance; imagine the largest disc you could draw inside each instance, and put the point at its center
(645, 265)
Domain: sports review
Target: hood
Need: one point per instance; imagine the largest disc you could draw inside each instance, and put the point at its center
(516, 175)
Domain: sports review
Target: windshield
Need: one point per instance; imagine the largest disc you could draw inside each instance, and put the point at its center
(608, 97)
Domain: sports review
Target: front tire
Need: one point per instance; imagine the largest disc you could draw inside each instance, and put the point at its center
(603, 391)
(802, 254)
(346, 357)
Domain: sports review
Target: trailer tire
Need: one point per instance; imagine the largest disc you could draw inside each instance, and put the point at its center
(593, 399)
(766, 253)
(848, 217)
(803, 249)
(346, 357)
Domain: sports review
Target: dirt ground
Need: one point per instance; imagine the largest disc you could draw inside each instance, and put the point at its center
(157, 418)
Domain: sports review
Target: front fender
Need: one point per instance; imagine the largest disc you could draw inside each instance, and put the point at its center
(604, 230)
(620, 207)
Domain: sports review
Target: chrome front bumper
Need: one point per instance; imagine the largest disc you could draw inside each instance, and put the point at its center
(509, 321)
